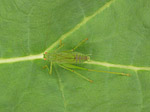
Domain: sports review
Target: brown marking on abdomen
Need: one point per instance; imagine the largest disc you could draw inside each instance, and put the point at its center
(80, 58)
(85, 58)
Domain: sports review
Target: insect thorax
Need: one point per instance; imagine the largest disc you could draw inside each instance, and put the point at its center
(66, 57)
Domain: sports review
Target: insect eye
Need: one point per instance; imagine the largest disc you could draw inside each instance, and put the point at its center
(45, 52)
(44, 58)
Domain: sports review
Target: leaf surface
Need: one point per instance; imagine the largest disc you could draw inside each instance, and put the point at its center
(118, 40)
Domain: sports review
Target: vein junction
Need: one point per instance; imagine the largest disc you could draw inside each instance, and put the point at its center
(39, 56)
(85, 20)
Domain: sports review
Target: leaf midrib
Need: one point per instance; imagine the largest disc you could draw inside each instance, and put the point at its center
(83, 22)
(38, 56)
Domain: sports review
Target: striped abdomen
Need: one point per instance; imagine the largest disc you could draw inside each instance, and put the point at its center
(80, 58)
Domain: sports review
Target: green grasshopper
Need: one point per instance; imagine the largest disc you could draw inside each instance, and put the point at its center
(66, 59)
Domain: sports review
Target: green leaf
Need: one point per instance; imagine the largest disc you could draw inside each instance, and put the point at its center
(118, 40)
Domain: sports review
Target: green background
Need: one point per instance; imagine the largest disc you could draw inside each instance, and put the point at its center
(118, 34)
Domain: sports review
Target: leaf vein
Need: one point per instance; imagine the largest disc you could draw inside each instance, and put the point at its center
(117, 65)
(140, 88)
(61, 88)
(83, 22)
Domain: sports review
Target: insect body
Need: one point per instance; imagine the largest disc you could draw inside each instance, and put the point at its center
(66, 59)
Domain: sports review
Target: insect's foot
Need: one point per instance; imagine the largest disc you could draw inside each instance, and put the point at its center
(128, 75)
(125, 74)
(91, 81)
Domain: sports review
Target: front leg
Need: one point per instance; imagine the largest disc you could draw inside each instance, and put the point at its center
(49, 68)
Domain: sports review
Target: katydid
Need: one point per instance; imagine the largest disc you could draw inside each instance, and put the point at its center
(66, 59)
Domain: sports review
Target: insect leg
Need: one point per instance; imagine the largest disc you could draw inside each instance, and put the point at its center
(75, 73)
(50, 72)
(59, 47)
(79, 44)
(49, 69)
(46, 67)
(82, 68)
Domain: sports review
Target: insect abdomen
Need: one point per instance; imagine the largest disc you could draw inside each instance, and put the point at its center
(80, 58)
